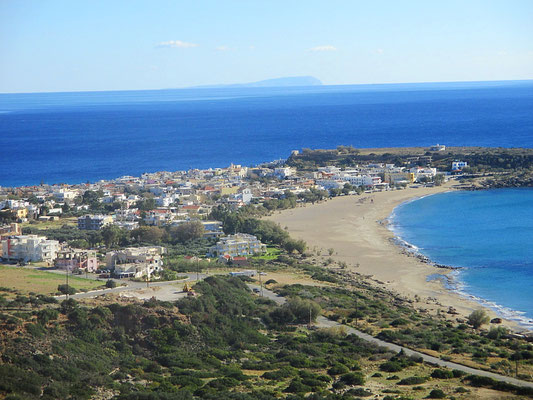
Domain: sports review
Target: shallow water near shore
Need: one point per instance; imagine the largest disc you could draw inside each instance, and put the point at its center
(488, 234)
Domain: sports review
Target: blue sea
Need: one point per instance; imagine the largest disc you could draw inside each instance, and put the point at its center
(88, 136)
(487, 233)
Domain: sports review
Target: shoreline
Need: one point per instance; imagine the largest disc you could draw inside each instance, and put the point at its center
(357, 229)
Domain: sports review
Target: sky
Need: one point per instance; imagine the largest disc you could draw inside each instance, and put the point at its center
(66, 45)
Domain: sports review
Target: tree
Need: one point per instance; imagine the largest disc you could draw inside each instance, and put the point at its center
(110, 284)
(292, 245)
(111, 235)
(7, 216)
(146, 204)
(438, 179)
(186, 232)
(478, 318)
(148, 234)
(66, 289)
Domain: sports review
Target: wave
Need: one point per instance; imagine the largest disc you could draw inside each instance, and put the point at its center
(452, 281)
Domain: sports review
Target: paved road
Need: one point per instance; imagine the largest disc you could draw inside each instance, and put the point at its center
(323, 322)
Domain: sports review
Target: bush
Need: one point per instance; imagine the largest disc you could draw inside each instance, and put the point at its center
(478, 318)
(338, 369)
(66, 289)
(413, 380)
(442, 374)
(48, 314)
(391, 366)
(359, 392)
(110, 284)
(353, 378)
(436, 394)
(296, 386)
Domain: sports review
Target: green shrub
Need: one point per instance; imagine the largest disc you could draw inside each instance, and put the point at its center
(297, 386)
(359, 392)
(353, 378)
(110, 284)
(391, 366)
(436, 394)
(442, 374)
(413, 380)
(338, 369)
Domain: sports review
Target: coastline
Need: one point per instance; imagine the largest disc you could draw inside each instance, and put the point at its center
(356, 228)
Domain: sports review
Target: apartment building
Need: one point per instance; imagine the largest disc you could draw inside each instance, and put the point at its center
(94, 222)
(240, 244)
(136, 262)
(76, 259)
(28, 248)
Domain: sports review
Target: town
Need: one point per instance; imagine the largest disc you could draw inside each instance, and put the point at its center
(181, 202)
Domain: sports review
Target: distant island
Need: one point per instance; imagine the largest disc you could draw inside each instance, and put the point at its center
(275, 82)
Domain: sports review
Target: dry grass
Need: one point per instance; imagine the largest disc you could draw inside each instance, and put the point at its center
(26, 280)
(71, 221)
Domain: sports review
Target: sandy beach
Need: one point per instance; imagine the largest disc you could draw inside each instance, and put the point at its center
(355, 227)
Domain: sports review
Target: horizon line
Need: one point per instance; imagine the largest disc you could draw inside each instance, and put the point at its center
(222, 86)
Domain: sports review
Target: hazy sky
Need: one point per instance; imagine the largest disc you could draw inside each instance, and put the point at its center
(56, 45)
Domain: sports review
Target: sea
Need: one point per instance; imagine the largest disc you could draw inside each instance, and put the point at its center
(487, 234)
(88, 136)
(81, 137)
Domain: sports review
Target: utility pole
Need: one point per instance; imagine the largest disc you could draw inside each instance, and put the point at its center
(261, 283)
(67, 283)
(310, 318)
(197, 268)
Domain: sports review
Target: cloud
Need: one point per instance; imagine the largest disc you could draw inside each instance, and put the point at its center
(177, 43)
(222, 48)
(327, 47)
(379, 51)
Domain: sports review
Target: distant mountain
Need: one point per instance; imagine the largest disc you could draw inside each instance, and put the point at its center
(276, 82)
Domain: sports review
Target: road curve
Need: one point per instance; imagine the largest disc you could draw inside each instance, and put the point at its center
(323, 322)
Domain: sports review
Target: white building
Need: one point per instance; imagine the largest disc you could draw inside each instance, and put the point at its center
(63, 195)
(283, 172)
(459, 165)
(136, 261)
(240, 244)
(29, 248)
(329, 184)
(420, 172)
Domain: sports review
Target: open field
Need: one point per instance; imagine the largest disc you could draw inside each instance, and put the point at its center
(71, 221)
(26, 280)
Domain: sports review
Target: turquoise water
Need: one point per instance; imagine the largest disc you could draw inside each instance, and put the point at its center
(487, 233)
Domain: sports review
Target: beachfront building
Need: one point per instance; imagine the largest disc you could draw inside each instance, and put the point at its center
(76, 259)
(329, 184)
(423, 172)
(240, 244)
(135, 262)
(26, 248)
(94, 222)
